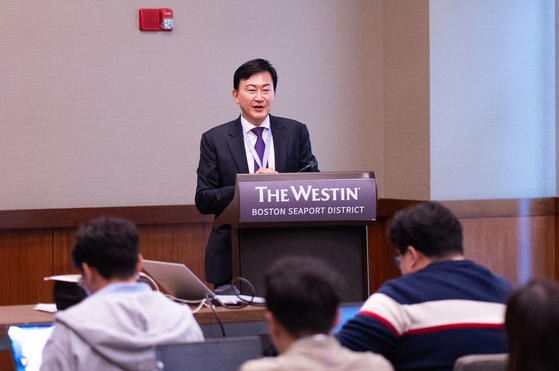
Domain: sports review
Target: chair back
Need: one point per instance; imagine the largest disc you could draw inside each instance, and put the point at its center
(482, 362)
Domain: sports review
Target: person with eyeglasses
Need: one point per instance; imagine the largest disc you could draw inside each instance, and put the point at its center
(441, 308)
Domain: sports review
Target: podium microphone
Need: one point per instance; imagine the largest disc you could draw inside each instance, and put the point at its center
(307, 166)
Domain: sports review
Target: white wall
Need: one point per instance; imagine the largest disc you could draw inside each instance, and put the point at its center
(94, 112)
(492, 99)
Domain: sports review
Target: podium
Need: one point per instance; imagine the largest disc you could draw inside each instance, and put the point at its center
(323, 214)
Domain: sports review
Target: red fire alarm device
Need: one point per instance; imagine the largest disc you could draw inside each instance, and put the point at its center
(156, 20)
(167, 21)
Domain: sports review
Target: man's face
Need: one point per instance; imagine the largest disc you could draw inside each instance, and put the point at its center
(255, 96)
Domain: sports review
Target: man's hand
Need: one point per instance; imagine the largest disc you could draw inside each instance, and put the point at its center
(264, 170)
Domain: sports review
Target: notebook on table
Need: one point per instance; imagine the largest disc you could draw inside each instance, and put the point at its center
(180, 282)
(27, 343)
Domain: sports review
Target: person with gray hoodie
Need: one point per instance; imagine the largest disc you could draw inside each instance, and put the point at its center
(119, 325)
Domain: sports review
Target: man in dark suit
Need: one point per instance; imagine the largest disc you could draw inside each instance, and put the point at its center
(256, 142)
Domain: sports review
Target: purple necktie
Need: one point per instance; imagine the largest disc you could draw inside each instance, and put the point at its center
(259, 146)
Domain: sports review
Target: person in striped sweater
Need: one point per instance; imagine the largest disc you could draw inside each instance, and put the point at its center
(441, 308)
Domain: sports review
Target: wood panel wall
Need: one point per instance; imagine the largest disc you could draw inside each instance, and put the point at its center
(514, 238)
(37, 243)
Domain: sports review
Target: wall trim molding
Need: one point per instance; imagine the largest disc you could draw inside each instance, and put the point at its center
(502, 208)
(67, 218)
(177, 214)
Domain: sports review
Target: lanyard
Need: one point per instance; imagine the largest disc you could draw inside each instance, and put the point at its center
(253, 151)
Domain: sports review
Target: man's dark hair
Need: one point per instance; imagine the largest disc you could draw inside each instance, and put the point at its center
(429, 227)
(110, 245)
(253, 67)
(532, 325)
(303, 294)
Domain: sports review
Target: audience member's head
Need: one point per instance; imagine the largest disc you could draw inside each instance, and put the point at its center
(425, 233)
(429, 227)
(532, 325)
(109, 246)
(251, 68)
(302, 295)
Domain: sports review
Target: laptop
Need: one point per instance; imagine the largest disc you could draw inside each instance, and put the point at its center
(27, 343)
(347, 312)
(180, 282)
(224, 354)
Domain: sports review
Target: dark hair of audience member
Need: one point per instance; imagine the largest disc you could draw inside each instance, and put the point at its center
(532, 326)
(108, 244)
(429, 227)
(251, 68)
(303, 294)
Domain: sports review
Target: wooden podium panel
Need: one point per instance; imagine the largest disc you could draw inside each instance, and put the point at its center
(343, 247)
(323, 215)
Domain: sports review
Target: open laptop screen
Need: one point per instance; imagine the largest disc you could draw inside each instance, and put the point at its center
(180, 282)
(27, 343)
(224, 354)
(347, 312)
